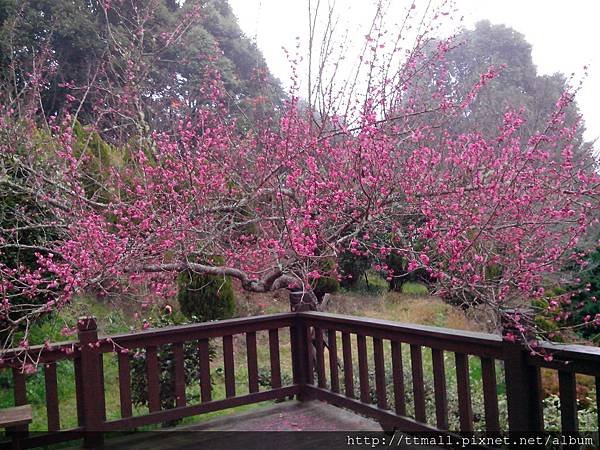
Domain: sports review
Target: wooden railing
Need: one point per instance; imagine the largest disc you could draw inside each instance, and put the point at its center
(521, 377)
(395, 373)
(87, 357)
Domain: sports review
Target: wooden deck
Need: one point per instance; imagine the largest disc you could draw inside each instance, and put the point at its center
(250, 430)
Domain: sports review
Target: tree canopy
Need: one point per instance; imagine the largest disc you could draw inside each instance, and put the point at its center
(197, 179)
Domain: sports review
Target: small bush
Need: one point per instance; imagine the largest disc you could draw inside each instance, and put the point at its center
(326, 285)
(264, 378)
(412, 288)
(352, 268)
(205, 297)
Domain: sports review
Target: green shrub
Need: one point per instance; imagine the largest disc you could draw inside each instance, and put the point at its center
(205, 297)
(412, 288)
(264, 378)
(352, 268)
(325, 285)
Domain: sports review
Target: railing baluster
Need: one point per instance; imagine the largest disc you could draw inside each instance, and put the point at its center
(20, 390)
(204, 370)
(398, 377)
(78, 390)
(380, 385)
(229, 366)
(125, 385)
(568, 401)
(295, 354)
(490, 395)
(464, 392)
(310, 356)
(274, 358)
(20, 395)
(53, 414)
(102, 388)
(320, 358)
(153, 379)
(179, 369)
(439, 386)
(348, 373)
(333, 360)
(416, 362)
(252, 360)
(363, 368)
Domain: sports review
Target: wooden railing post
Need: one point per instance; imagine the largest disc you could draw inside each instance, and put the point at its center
(523, 390)
(300, 355)
(92, 393)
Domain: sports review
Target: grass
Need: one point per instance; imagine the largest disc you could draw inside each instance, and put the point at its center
(411, 288)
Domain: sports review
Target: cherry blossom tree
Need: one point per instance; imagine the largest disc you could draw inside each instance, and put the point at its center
(274, 201)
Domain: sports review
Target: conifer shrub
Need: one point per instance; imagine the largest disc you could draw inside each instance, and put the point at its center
(205, 297)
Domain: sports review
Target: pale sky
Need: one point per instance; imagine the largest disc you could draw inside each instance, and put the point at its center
(565, 35)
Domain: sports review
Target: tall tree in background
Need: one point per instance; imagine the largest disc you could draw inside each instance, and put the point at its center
(146, 58)
(517, 86)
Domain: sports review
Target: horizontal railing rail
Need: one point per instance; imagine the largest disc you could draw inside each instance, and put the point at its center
(408, 377)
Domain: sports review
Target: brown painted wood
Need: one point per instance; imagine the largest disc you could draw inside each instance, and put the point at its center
(125, 385)
(523, 390)
(78, 390)
(310, 355)
(252, 361)
(380, 385)
(229, 364)
(416, 362)
(15, 416)
(348, 373)
(320, 359)
(480, 344)
(52, 410)
(102, 391)
(205, 330)
(296, 355)
(522, 370)
(20, 389)
(301, 334)
(274, 358)
(153, 379)
(168, 415)
(204, 370)
(582, 366)
(439, 387)
(490, 395)
(43, 440)
(567, 387)
(398, 379)
(333, 360)
(363, 368)
(465, 409)
(179, 372)
(92, 375)
(20, 396)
